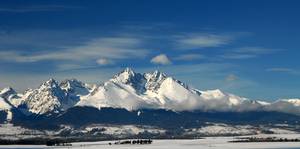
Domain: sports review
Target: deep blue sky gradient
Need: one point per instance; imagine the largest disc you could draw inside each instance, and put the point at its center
(269, 28)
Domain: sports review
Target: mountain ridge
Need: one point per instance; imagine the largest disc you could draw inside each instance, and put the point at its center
(132, 91)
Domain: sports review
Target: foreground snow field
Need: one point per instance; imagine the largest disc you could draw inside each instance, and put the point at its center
(207, 143)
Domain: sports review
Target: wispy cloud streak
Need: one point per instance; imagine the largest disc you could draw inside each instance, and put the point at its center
(37, 8)
(284, 70)
(194, 41)
(249, 52)
(107, 47)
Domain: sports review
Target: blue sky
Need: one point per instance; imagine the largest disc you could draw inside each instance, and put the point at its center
(249, 48)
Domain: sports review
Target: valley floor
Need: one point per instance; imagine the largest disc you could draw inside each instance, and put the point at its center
(206, 143)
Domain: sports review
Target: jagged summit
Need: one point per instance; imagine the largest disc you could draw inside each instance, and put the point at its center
(127, 71)
(74, 86)
(7, 89)
(11, 96)
(154, 80)
(6, 92)
(74, 90)
(51, 83)
(155, 76)
(45, 99)
(125, 76)
(129, 77)
(70, 82)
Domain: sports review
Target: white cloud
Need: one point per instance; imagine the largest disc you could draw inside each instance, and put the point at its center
(104, 61)
(189, 57)
(238, 56)
(279, 69)
(249, 52)
(67, 66)
(284, 70)
(161, 59)
(202, 41)
(256, 50)
(37, 8)
(109, 47)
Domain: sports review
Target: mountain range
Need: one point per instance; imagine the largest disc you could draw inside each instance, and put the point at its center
(129, 95)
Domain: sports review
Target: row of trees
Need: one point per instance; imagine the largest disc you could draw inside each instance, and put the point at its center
(138, 141)
(268, 139)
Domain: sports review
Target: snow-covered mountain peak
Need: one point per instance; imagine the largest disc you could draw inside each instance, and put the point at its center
(155, 74)
(128, 70)
(125, 75)
(11, 96)
(50, 87)
(45, 99)
(154, 80)
(129, 77)
(74, 86)
(69, 83)
(51, 83)
(7, 92)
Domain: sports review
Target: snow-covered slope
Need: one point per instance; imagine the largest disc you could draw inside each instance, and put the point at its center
(131, 90)
(11, 96)
(8, 98)
(7, 93)
(47, 98)
(122, 91)
(76, 88)
(6, 107)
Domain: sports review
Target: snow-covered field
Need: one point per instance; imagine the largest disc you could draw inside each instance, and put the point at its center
(123, 130)
(207, 143)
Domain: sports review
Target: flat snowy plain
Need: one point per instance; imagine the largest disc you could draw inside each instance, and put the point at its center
(207, 143)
